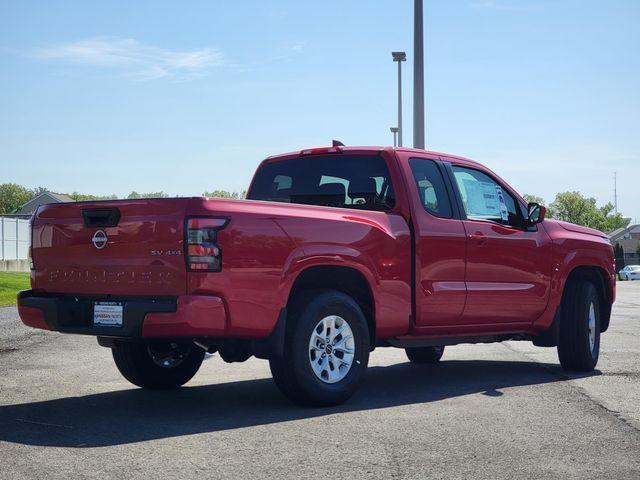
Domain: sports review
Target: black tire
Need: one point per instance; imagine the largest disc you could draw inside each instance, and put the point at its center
(574, 346)
(293, 373)
(136, 363)
(424, 354)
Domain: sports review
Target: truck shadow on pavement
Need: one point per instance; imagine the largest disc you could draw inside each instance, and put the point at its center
(135, 415)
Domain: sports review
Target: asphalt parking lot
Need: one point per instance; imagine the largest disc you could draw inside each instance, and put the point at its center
(486, 411)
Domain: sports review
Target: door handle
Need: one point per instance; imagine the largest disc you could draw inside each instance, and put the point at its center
(479, 237)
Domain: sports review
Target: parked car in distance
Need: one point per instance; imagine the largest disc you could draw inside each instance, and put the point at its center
(337, 251)
(630, 272)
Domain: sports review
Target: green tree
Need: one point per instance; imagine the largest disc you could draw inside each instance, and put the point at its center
(534, 199)
(81, 197)
(38, 190)
(224, 194)
(13, 196)
(135, 194)
(619, 257)
(612, 220)
(575, 208)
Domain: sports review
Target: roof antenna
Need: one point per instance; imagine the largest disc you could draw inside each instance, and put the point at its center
(337, 143)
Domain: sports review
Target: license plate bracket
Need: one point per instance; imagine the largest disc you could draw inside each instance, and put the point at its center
(108, 314)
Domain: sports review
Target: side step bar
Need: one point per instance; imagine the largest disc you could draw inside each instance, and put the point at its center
(437, 342)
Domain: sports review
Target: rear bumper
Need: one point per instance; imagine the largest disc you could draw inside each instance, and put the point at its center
(184, 316)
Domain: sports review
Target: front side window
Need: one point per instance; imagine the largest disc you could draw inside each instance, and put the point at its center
(484, 199)
(431, 189)
(347, 181)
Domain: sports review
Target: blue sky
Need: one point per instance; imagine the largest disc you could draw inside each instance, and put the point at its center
(109, 97)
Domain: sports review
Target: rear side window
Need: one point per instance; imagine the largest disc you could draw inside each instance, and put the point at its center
(433, 194)
(347, 181)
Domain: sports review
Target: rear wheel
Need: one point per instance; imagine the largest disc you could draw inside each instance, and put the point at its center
(158, 365)
(326, 350)
(424, 354)
(579, 342)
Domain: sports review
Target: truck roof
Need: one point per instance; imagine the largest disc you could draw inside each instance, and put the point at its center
(367, 149)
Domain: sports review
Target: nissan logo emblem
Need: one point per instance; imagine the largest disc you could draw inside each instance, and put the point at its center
(99, 239)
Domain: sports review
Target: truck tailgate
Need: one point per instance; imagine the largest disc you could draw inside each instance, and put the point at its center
(126, 247)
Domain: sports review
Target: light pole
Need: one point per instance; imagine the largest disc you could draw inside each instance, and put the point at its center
(418, 77)
(394, 130)
(399, 57)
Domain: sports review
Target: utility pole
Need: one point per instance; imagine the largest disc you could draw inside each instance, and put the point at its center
(399, 57)
(418, 76)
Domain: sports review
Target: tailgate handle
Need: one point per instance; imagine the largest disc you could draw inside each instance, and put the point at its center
(101, 217)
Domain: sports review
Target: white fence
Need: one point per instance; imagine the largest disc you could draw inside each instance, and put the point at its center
(14, 238)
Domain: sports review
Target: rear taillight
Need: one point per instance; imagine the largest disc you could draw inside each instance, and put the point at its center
(203, 252)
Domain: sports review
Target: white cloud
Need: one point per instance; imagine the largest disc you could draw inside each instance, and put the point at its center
(133, 58)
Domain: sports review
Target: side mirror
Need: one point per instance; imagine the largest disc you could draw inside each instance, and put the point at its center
(536, 213)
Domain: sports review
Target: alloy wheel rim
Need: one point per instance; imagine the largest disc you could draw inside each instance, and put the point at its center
(592, 327)
(331, 349)
(168, 355)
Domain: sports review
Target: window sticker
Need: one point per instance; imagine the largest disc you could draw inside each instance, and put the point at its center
(504, 212)
(482, 199)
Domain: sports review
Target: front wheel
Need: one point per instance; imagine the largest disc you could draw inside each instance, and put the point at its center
(579, 342)
(326, 350)
(158, 365)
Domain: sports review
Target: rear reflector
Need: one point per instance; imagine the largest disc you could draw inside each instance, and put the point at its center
(203, 252)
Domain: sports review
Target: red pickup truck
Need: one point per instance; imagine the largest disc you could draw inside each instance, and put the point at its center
(335, 252)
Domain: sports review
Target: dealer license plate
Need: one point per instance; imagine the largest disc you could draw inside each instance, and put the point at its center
(107, 314)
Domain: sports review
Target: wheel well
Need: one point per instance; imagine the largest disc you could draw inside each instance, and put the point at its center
(597, 276)
(344, 279)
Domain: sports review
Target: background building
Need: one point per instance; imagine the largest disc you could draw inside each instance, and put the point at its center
(629, 239)
(45, 197)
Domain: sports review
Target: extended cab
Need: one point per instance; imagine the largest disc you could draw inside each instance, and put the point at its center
(336, 251)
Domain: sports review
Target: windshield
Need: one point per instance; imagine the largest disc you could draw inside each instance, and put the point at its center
(345, 181)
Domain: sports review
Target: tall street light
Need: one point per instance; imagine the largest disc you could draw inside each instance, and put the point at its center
(418, 77)
(399, 57)
(394, 130)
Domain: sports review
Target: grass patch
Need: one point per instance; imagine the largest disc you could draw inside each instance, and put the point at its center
(10, 283)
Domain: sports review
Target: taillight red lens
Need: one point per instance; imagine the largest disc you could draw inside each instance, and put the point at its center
(203, 251)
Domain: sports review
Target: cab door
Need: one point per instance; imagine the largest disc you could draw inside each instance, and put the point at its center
(508, 268)
(440, 243)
